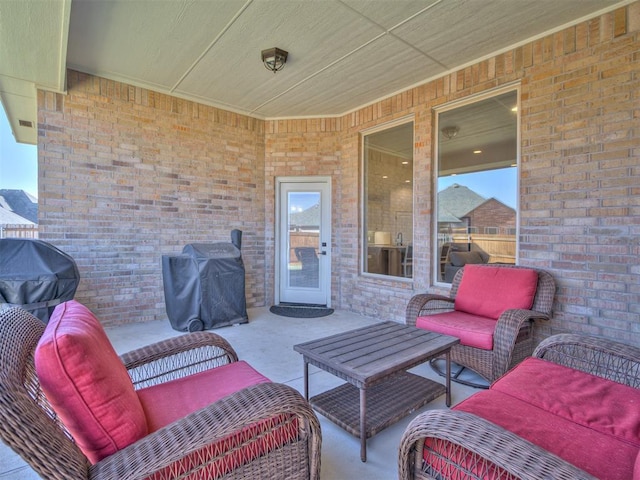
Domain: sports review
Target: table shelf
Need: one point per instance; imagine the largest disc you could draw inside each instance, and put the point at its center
(387, 402)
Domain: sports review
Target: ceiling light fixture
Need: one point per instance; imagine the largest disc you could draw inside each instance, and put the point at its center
(274, 59)
(450, 132)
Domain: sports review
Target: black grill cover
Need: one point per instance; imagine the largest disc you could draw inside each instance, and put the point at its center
(204, 287)
(36, 276)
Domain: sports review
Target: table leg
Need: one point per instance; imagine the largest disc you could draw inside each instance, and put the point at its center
(448, 378)
(363, 425)
(306, 380)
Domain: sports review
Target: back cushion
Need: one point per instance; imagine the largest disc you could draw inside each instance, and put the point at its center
(87, 384)
(488, 291)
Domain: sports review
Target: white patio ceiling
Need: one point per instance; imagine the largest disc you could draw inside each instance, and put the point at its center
(343, 54)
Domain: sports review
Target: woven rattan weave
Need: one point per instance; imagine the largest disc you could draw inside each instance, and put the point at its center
(486, 447)
(513, 336)
(373, 360)
(30, 428)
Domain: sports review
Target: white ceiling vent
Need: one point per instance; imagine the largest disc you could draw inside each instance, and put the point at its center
(25, 123)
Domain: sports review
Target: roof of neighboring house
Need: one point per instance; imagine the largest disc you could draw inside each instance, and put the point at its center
(309, 217)
(7, 217)
(447, 217)
(458, 200)
(19, 203)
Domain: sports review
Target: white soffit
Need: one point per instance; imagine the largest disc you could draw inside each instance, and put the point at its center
(33, 50)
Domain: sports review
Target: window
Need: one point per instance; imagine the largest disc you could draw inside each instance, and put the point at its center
(388, 200)
(476, 204)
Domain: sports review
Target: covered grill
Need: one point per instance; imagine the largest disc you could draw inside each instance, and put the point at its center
(204, 286)
(36, 276)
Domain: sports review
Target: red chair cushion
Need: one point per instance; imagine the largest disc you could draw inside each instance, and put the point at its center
(588, 421)
(87, 384)
(170, 401)
(472, 330)
(610, 408)
(488, 291)
(603, 456)
(167, 402)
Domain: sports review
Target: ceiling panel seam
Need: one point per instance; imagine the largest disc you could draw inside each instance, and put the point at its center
(210, 46)
(425, 9)
(398, 25)
(369, 42)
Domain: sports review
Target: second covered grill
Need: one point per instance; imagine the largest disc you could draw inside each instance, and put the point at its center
(204, 287)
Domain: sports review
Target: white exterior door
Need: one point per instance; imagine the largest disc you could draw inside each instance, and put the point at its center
(303, 240)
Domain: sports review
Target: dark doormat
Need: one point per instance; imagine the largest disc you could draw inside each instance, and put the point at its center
(301, 311)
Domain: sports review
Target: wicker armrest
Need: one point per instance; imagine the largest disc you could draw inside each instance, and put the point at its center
(425, 304)
(485, 444)
(506, 333)
(598, 356)
(177, 357)
(201, 428)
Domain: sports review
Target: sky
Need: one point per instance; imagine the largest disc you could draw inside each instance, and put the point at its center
(18, 162)
(300, 201)
(500, 184)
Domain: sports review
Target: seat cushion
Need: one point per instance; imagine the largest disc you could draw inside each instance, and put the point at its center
(603, 456)
(598, 404)
(170, 401)
(472, 330)
(87, 384)
(488, 291)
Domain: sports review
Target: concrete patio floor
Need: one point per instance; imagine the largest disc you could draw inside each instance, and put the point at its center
(266, 342)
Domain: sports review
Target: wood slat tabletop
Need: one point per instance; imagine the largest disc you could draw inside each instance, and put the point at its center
(368, 355)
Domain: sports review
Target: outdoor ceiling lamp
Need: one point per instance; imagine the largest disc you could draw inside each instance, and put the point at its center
(274, 59)
(450, 132)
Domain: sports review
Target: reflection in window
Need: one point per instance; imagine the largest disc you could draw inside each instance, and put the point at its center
(477, 184)
(304, 238)
(388, 194)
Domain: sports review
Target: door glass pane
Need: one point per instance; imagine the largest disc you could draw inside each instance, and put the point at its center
(477, 184)
(303, 239)
(388, 193)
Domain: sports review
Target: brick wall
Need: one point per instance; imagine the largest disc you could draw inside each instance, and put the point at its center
(493, 214)
(127, 174)
(578, 182)
(390, 197)
(302, 148)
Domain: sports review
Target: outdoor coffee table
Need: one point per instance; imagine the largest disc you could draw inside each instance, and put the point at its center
(373, 360)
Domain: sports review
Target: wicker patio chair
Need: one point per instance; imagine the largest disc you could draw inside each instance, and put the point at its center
(30, 427)
(485, 447)
(513, 336)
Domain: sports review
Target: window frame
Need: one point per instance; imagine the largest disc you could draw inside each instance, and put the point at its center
(447, 107)
(363, 240)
